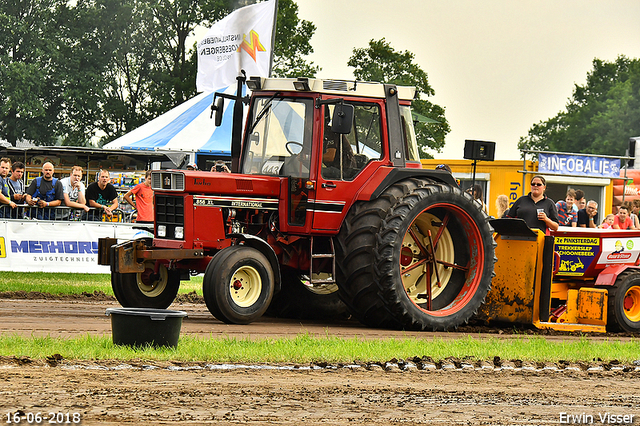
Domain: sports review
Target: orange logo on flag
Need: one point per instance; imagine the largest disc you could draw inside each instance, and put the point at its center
(253, 46)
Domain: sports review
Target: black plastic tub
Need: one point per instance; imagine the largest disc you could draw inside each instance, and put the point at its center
(145, 326)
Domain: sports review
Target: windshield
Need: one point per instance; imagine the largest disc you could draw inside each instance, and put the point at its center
(280, 138)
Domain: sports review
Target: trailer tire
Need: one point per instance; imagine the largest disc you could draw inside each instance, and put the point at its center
(239, 286)
(140, 290)
(386, 260)
(624, 303)
(298, 300)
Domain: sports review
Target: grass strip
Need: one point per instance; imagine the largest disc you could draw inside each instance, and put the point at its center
(306, 348)
(72, 283)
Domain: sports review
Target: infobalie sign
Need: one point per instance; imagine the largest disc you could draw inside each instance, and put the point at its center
(579, 165)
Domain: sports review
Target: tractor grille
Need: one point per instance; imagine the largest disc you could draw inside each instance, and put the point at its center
(170, 213)
(167, 181)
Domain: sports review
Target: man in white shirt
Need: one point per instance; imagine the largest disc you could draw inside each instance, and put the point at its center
(74, 190)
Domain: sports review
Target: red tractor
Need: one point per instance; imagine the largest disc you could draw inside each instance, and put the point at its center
(326, 208)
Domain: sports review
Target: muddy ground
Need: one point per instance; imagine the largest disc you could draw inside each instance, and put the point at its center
(408, 392)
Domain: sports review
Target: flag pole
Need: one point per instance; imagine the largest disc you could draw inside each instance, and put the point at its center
(273, 36)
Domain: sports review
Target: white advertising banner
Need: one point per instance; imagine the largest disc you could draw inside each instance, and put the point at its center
(240, 41)
(39, 246)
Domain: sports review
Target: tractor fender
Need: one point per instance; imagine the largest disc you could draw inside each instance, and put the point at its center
(262, 246)
(610, 274)
(396, 175)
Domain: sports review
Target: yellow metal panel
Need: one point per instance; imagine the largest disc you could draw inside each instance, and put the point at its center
(592, 306)
(511, 297)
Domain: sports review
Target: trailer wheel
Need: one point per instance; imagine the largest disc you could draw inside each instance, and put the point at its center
(624, 303)
(300, 300)
(144, 289)
(238, 285)
(420, 257)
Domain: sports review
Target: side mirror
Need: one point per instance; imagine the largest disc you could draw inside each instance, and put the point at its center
(218, 108)
(342, 120)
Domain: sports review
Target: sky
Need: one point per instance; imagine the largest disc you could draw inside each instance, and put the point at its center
(497, 66)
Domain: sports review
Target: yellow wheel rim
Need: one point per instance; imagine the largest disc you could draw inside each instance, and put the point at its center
(415, 279)
(245, 286)
(150, 287)
(631, 304)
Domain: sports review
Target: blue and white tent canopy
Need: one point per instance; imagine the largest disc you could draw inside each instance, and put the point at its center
(187, 128)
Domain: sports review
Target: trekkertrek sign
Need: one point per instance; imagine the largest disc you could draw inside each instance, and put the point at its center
(579, 165)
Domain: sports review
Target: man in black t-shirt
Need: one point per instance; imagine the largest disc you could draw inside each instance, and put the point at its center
(588, 217)
(101, 195)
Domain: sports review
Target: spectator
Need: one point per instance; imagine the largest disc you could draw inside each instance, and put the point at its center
(588, 217)
(5, 196)
(219, 166)
(103, 196)
(45, 191)
(580, 202)
(622, 219)
(535, 208)
(477, 197)
(566, 214)
(16, 187)
(74, 194)
(634, 207)
(192, 166)
(444, 167)
(502, 205)
(607, 223)
(144, 199)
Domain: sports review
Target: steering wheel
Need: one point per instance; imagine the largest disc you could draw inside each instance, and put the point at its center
(293, 143)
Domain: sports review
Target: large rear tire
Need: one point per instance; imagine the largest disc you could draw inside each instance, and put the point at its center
(624, 303)
(394, 275)
(144, 289)
(299, 299)
(238, 285)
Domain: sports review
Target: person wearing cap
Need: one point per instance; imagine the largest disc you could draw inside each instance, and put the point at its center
(192, 166)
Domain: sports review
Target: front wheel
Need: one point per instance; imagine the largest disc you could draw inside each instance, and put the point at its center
(146, 289)
(238, 285)
(624, 303)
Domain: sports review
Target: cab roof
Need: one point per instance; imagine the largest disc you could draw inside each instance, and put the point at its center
(330, 87)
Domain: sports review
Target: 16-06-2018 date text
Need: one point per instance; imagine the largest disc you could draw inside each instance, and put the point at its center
(52, 417)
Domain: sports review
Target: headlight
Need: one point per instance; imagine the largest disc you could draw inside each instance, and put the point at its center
(162, 230)
(179, 232)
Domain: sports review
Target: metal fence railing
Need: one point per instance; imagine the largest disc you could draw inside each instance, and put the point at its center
(26, 212)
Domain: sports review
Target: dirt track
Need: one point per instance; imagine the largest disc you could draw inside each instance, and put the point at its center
(141, 392)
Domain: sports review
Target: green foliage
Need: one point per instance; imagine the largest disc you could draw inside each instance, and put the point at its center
(380, 62)
(71, 70)
(292, 43)
(600, 117)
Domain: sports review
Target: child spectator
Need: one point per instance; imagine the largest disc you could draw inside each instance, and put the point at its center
(607, 223)
(566, 213)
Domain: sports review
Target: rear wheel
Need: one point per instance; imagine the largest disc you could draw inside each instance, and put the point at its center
(419, 257)
(146, 289)
(624, 303)
(238, 285)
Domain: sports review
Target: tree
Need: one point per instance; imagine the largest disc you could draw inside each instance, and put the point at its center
(380, 62)
(600, 116)
(30, 97)
(292, 43)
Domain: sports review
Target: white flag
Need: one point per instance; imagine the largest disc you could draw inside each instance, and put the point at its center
(241, 40)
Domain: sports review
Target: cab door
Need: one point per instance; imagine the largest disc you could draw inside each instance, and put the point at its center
(346, 162)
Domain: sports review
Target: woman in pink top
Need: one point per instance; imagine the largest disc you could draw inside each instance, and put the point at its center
(144, 199)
